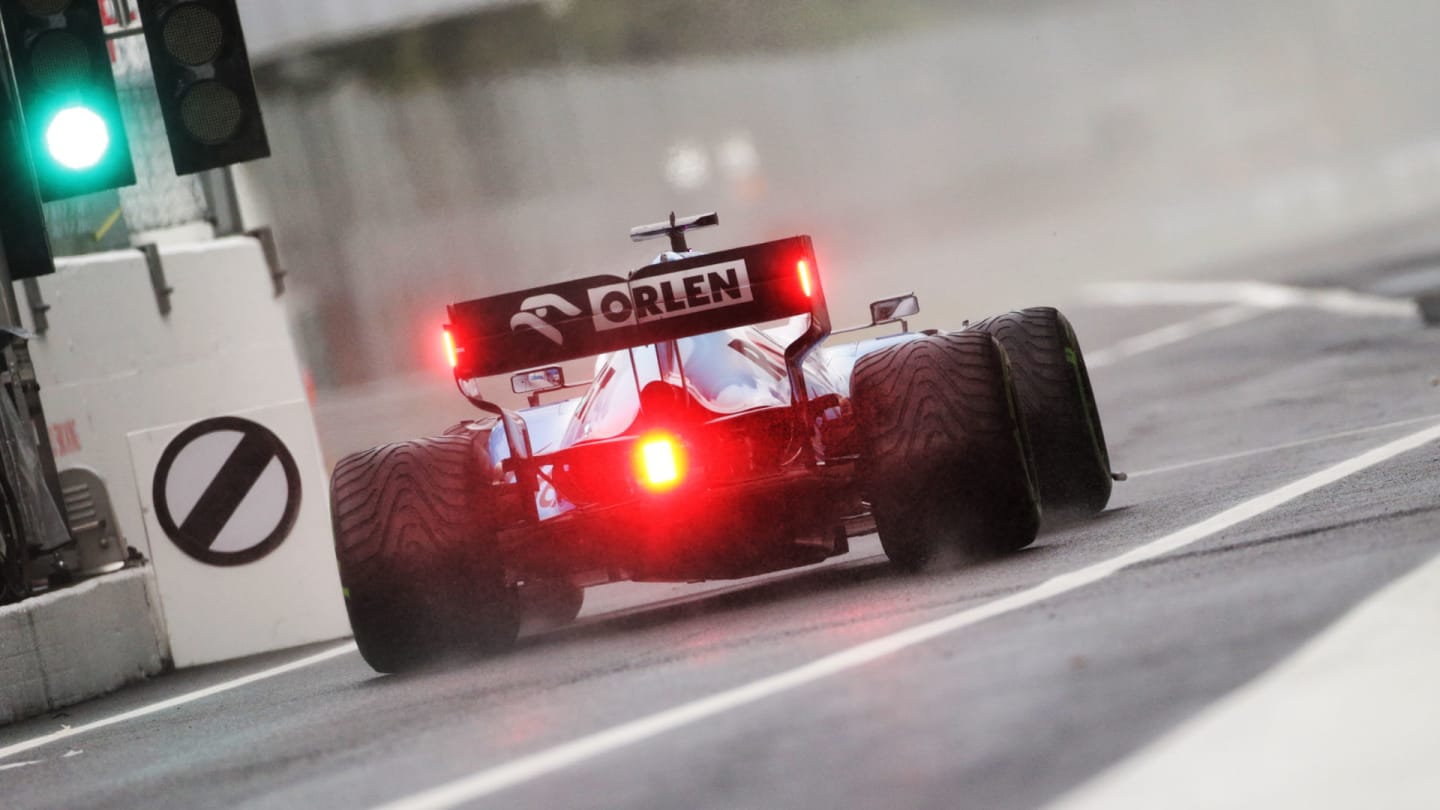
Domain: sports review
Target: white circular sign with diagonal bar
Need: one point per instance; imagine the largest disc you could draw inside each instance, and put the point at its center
(227, 491)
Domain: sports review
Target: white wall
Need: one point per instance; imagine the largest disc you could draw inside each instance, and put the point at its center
(120, 382)
(999, 158)
(110, 364)
(275, 26)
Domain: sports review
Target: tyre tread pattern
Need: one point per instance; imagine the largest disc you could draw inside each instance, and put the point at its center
(1059, 408)
(415, 540)
(943, 455)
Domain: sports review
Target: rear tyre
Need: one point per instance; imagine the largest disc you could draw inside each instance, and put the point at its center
(1058, 405)
(415, 539)
(944, 459)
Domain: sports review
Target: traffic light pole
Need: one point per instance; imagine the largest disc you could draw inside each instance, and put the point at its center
(16, 351)
(9, 304)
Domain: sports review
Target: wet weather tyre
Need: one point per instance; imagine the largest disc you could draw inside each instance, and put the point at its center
(944, 458)
(415, 539)
(1058, 404)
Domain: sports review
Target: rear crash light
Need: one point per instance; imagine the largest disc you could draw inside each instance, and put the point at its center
(660, 462)
(803, 269)
(450, 353)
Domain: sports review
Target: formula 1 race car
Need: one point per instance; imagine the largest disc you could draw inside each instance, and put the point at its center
(707, 446)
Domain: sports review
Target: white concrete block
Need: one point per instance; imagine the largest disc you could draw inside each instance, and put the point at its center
(224, 347)
(261, 583)
(79, 643)
(97, 637)
(22, 683)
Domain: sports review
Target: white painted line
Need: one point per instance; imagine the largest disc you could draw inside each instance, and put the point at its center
(14, 765)
(542, 763)
(1351, 720)
(1275, 448)
(1170, 335)
(164, 705)
(1251, 294)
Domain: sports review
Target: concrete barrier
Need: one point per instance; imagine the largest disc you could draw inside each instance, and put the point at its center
(66, 647)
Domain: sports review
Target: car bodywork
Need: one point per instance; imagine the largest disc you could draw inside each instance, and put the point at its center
(759, 427)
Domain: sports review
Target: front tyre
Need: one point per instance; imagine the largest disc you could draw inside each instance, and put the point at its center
(944, 459)
(414, 527)
(1058, 405)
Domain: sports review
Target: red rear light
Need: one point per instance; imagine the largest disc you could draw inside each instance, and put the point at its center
(659, 462)
(450, 353)
(803, 269)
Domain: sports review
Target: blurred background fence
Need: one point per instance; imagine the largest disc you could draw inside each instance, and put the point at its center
(987, 154)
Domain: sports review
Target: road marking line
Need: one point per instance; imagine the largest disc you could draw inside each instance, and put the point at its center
(1256, 294)
(1169, 335)
(1349, 720)
(13, 765)
(1274, 448)
(533, 766)
(189, 697)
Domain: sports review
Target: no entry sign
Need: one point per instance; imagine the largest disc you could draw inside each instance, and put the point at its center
(227, 491)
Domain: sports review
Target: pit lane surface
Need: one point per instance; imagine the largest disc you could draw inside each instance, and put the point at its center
(1013, 711)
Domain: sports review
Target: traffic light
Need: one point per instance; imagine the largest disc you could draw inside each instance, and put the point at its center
(67, 95)
(202, 75)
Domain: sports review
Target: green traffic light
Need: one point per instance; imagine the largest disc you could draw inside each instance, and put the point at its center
(77, 138)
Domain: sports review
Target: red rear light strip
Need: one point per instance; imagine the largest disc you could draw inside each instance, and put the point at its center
(450, 353)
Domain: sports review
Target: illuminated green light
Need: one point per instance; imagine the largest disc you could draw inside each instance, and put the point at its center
(77, 138)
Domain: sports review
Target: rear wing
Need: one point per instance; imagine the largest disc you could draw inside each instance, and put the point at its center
(550, 325)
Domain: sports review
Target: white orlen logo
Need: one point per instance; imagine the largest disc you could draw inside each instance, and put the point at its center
(535, 313)
(680, 293)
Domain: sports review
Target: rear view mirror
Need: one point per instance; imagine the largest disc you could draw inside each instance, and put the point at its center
(538, 381)
(889, 310)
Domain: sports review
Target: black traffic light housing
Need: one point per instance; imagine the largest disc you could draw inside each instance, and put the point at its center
(202, 75)
(23, 237)
(67, 94)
